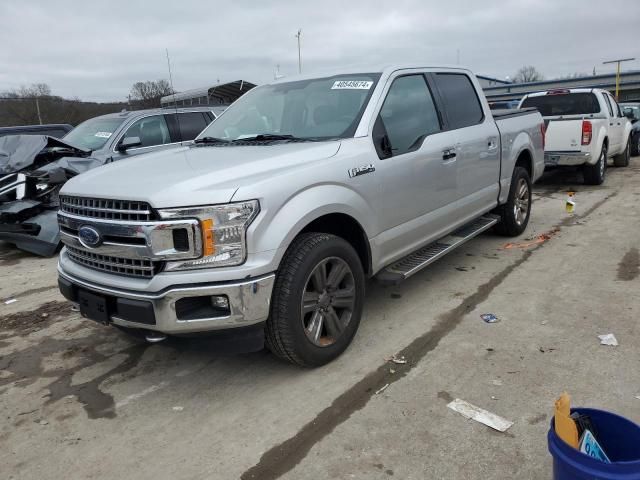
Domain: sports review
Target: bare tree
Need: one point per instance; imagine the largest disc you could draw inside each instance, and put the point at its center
(147, 94)
(528, 73)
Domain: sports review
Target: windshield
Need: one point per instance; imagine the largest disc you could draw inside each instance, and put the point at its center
(319, 108)
(564, 104)
(94, 133)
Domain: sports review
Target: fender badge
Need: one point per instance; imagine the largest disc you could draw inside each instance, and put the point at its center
(362, 170)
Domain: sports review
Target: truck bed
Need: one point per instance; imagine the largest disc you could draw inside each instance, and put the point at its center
(511, 112)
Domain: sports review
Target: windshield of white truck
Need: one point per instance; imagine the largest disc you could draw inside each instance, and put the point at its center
(316, 109)
(94, 133)
(552, 105)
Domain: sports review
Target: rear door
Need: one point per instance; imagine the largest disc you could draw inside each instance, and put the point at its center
(616, 127)
(476, 144)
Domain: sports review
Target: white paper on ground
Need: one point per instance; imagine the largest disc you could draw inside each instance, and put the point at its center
(480, 415)
(10, 301)
(608, 339)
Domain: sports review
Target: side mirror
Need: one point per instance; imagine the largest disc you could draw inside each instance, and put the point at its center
(629, 114)
(381, 140)
(129, 142)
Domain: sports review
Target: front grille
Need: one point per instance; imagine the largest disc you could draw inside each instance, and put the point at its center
(106, 209)
(120, 266)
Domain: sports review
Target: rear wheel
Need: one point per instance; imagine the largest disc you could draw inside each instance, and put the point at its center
(595, 174)
(516, 212)
(622, 159)
(317, 300)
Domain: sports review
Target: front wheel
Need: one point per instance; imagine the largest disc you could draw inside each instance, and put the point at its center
(595, 174)
(317, 300)
(516, 212)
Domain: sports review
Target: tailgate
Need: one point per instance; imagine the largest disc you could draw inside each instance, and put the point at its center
(563, 135)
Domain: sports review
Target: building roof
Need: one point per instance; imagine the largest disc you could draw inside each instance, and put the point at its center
(226, 92)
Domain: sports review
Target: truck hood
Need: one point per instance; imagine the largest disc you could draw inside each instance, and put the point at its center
(195, 175)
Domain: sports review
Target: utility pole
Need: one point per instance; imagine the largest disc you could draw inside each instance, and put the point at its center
(38, 109)
(618, 62)
(298, 36)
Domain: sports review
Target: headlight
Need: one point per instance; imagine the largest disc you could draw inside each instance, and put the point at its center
(224, 229)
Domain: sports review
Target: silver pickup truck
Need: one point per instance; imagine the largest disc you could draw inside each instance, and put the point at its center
(269, 225)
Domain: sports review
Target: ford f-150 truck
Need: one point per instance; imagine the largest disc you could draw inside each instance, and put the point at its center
(584, 126)
(268, 226)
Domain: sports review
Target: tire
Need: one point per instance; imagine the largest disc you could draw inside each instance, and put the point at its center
(622, 159)
(306, 326)
(595, 174)
(516, 212)
(635, 144)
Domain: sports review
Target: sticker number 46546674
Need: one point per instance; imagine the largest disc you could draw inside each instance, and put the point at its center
(351, 85)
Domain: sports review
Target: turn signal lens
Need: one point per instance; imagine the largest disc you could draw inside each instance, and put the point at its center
(208, 237)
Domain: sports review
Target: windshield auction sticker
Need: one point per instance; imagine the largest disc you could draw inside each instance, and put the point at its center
(351, 85)
(102, 134)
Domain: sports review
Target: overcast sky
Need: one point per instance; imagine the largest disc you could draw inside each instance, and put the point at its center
(97, 50)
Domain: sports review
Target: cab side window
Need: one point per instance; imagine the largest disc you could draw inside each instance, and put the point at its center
(150, 130)
(608, 102)
(408, 114)
(459, 95)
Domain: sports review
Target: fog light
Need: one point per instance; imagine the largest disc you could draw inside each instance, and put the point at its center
(220, 301)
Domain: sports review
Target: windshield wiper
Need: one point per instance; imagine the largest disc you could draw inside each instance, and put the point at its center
(210, 140)
(267, 137)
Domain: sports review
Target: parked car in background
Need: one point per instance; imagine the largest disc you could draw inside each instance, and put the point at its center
(33, 168)
(268, 225)
(585, 127)
(56, 130)
(632, 112)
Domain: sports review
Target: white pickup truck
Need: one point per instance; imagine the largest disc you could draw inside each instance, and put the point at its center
(585, 126)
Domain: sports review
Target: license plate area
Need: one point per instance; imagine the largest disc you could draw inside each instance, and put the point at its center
(94, 307)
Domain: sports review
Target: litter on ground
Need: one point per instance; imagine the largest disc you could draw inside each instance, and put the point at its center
(382, 389)
(10, 301)
(608, 339)
(489, 318)
(480, 415)
(543, 237)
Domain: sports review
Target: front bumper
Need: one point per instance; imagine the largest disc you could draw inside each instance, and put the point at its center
(39, 234)
(164, 311)
(566, 158)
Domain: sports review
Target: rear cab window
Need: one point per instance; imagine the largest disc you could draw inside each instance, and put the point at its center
(460, 99)
(551, 105)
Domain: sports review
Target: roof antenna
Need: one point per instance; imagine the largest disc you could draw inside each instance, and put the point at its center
(175, 103)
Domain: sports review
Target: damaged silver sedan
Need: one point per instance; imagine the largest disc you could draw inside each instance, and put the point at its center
(33, 168)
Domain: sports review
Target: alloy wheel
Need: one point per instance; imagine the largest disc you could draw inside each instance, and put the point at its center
(328, 301)
(521, 201)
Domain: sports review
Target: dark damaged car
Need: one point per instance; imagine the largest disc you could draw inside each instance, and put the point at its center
(33, 168)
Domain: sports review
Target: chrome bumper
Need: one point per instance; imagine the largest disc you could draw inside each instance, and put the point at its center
(566, 158)
(249, 302)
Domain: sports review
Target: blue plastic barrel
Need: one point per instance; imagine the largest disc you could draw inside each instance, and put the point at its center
(618, 437)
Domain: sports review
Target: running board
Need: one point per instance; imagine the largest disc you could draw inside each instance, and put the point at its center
(416, 261)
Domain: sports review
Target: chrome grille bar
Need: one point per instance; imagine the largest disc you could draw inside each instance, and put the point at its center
(106, 209)
(121, 266)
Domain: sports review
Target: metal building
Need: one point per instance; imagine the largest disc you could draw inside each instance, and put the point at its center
(221, 94)
(629, 86)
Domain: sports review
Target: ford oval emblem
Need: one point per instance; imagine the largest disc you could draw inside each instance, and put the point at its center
(89, 236)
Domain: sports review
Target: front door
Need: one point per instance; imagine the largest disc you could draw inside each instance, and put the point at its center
(418, 175)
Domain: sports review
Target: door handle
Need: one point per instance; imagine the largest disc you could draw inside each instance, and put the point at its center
(448, 154)
(492, 144)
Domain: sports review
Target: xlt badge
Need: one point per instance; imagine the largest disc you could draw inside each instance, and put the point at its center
(355, 171)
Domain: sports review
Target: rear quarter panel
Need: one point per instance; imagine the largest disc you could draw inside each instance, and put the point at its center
(517, 135)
